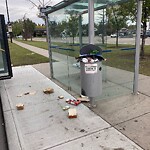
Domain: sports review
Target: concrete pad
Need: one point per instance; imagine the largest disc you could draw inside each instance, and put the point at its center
(17, 93)
(137, 129)
(43, 122)
(23, 75)
(44, 68)
(118, 76)
(124, 108)
(4, 98)
(44, 125)
(12, 133)
(3, 138)
(144, 86)
(61, 69)
(115, 110)
(108, 139)
(111, 90)
(47, 125)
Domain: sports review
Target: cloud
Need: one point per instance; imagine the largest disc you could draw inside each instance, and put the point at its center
(19, 8)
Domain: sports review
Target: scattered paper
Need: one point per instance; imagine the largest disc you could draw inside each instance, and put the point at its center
(20, 95)
(66, 108)
(48, 90)
(32, 93)
(83, 99)
(20, 106)
(27, 93)
(73, 101)
(72, 113)
(61, 97)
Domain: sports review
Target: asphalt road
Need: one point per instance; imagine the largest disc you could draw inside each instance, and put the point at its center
(3, 139)
(97, 39)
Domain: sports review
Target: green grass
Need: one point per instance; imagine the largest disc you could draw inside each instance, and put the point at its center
(145, 63)
(117, 58)
(40, 44)
(21, 56)
(44, 45)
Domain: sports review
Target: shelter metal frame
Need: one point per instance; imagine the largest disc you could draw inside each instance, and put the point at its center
(91, 9)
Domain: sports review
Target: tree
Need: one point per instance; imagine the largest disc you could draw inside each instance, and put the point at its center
(145, 18)
(53, 28)
(24, 27)
(101, 26)
(28, 28)
(17, 27)
(130, 9)
(116, 19)
(72, 24)
(40, 4)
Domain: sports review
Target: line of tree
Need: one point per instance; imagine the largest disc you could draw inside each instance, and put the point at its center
(117, 17)
(24, 27)
(121, 13)
(27, 28)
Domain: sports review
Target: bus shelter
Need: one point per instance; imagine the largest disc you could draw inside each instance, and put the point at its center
(75, 23)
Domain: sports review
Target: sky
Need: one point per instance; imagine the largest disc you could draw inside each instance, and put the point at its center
(20, 8)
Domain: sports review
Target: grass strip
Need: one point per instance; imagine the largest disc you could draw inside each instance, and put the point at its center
(117, 58)
(21, 56)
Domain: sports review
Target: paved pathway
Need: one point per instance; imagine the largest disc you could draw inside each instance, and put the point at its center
(43, 125)
(32, 48)
(130, 114)
(3, 138)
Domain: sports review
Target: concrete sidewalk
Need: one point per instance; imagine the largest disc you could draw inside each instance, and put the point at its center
(43, 124)
(130, 114)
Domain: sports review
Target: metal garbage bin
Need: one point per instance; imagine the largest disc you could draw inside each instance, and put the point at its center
(91, 71)
(91, 79)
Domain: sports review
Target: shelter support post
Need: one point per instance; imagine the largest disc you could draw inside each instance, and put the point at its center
(137, 54)
(91, 35)
(91, 21)
(49, 46)
(80, 31)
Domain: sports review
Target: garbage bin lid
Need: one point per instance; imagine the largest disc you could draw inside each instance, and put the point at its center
(90, 50)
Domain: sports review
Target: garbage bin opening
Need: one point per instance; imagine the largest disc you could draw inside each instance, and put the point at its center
(89, 58)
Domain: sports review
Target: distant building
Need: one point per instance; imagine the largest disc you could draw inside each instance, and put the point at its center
(40, 31)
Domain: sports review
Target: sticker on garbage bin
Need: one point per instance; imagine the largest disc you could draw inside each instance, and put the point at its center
(90, 68)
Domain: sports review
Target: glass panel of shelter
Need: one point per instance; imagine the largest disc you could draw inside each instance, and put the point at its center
(59, 46)
(5, 65)
(65, 44)
(118, 70)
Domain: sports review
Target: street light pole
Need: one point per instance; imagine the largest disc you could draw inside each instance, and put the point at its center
(8, 23)
(7, 11)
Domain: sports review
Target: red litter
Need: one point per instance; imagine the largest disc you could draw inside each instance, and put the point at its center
(73, 102)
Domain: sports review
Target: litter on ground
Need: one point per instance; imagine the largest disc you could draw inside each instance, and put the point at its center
(73, 102)
(20, 106)
(72, 113)
(48, 90)
(27, 93)
(66, 108)
(83, 99)
(61, 97)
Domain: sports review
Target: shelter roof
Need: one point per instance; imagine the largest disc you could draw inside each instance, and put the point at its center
(80, 6)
